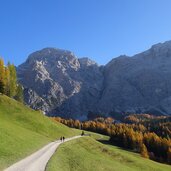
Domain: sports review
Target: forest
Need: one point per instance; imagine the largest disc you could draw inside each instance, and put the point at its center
(146, 134)
(8, 81)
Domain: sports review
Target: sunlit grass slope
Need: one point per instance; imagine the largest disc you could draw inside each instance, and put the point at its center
(23, 131)
(90, 155)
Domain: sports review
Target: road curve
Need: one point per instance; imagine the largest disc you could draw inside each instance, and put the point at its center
(38, 160)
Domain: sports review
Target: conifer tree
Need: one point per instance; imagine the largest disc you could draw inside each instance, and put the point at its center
(19, 93)
(2, 75)
(13, 80)
(1, 87)
(169, 155)
(143, 151)
(7, 81)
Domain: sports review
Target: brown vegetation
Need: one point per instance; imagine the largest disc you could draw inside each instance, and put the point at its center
(136, 135)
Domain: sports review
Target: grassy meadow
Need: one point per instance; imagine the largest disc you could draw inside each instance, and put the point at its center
(90, 155)
(23, 131)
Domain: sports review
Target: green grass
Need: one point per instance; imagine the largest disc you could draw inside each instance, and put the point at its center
(90, 155)
(92, 134)
(23, 131)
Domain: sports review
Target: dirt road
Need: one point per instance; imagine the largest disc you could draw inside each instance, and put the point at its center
(38, 160)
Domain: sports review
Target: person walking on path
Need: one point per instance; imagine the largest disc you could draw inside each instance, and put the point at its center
(63, 139)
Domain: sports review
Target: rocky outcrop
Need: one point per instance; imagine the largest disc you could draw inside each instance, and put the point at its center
(140, 83)
(59, 83)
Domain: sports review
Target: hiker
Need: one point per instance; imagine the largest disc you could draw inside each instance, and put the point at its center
(63, 139)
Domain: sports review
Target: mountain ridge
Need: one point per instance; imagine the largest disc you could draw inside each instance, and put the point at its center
(59, 83)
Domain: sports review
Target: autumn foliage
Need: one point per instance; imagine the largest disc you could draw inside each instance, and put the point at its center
(8, 81)
(135, 135)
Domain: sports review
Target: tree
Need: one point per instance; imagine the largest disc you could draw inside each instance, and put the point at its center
(19, 93)
(1, 87)
(2, 72)
(169, 155)
(143, 151)
(13, 80)
(7, 81)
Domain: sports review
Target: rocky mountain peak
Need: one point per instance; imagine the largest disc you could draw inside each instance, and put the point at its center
(51, 54)
(59, 83)
(118, 59)
(55, 80)
(160, 51)
(85, 61)
(166, 45)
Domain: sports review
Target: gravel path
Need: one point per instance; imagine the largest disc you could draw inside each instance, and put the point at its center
(38, 160)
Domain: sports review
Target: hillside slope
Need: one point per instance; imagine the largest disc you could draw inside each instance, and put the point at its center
(23, 131)
(87, 154)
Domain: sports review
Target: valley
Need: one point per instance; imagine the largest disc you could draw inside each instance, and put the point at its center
(24, 131)
(85, 85)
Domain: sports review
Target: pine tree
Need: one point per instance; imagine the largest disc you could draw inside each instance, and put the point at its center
(1, 87)
(2, 75)
(13, 80)
(169, 155)
(19, 93)
(143, 151)
(7, 81)
(125, 143)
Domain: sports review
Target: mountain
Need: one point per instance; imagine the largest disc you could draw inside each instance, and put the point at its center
(139, 84)
(59, 83)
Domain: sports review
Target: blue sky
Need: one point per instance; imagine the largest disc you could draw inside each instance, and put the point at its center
(99, 29)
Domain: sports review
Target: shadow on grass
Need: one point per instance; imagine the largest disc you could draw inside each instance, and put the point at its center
(108, 142)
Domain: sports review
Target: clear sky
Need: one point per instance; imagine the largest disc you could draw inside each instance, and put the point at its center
(99, 29)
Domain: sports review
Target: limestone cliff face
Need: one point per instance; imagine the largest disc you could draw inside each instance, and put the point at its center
(59, 83)
(140, 83)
